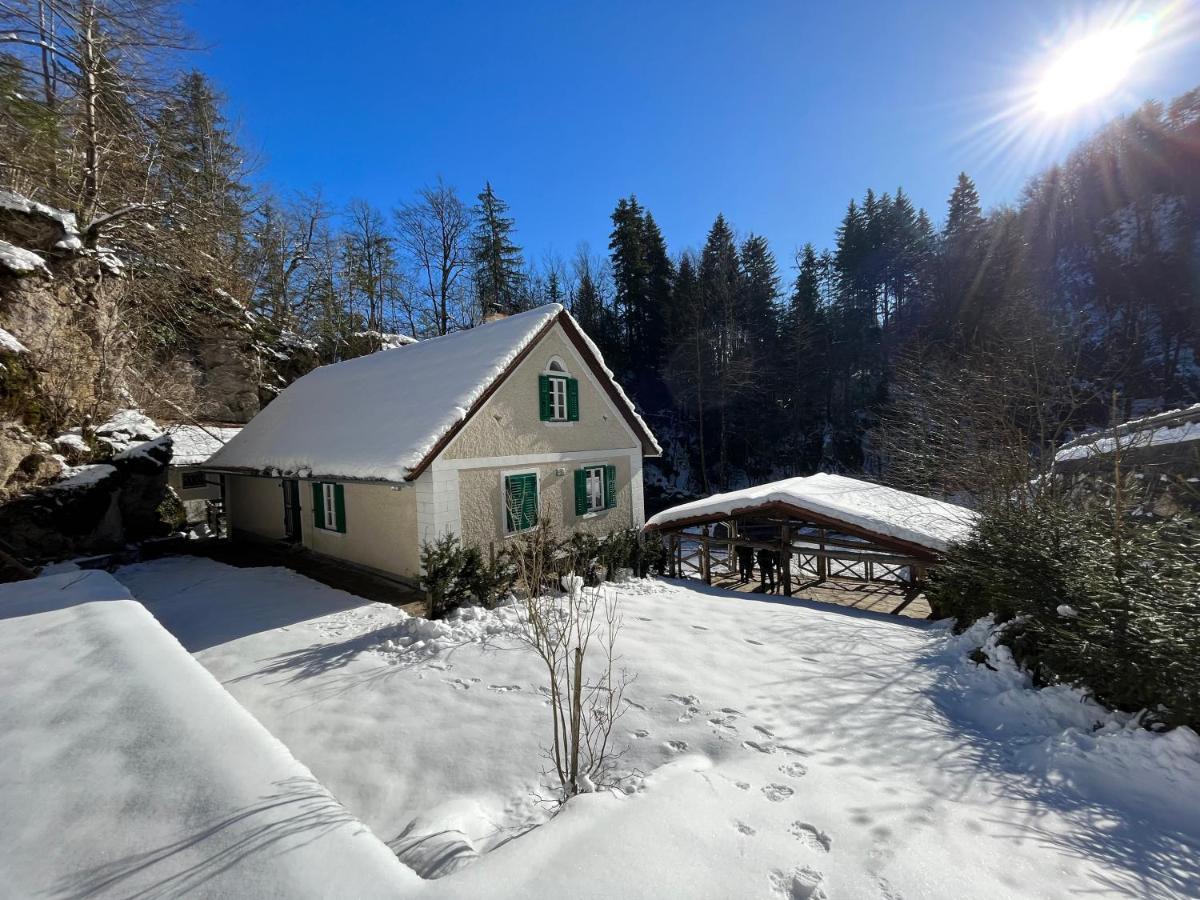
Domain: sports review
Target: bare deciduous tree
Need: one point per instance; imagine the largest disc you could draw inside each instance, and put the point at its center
(564, 620)
(433, 233)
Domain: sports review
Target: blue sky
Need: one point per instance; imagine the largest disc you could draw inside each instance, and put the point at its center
(773, 113)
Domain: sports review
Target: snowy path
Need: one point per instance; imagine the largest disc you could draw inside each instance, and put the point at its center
(791, 751)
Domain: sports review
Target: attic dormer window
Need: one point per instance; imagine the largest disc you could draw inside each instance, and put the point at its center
(558, 394)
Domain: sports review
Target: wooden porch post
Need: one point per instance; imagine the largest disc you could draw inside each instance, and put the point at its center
(786, 543)
(705, 559)
(822, 562)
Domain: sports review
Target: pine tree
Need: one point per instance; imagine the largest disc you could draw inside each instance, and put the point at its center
(631, 277)
(496, 260)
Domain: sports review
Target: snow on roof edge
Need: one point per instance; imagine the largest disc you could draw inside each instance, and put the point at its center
(254, 452)
(888, 512)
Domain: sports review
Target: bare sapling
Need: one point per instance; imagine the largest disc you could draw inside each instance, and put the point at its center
(573, 629)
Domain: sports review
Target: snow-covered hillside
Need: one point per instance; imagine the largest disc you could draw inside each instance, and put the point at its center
(776, 749)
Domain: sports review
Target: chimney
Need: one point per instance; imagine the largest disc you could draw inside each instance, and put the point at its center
(493, 313)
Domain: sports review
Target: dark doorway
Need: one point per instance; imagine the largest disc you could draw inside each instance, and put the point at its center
(291, 509)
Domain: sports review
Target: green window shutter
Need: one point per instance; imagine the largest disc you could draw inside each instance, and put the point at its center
(544, 397)
(339, 508)
(521, 501)
(318, 505)
(581, 497)
(572, 399)
(610, 487)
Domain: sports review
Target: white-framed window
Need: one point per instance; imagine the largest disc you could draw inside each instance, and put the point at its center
(329, 505)
(558, 399)
(595, 488)
(190, 480)
(558, 393)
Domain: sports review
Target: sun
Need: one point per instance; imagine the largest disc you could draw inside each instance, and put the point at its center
(1092, 68)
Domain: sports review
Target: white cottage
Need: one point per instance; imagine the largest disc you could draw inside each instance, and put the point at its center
(478, 434)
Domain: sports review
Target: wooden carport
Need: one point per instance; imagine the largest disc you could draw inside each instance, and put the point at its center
(814, 548)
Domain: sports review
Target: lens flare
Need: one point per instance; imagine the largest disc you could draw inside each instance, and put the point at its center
(1093, 67)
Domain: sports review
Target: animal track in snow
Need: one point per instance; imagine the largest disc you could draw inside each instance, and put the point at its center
(700, 628)
(460, 684)
(724, 725)
(794, 770)
(744, 828)
(754, 642)
(795, 751)
(801, 883)
(690, 704)
(730, 711)
(640, 733)
(777, 793)
(810, 836)
(504, 688)
(742, 785)
(767, 731)
(676, 746)
(760, 747)
(632, 704)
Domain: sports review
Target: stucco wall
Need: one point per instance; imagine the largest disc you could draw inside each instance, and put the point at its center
(481, 503)
(255, 506)
(508, 424)
(381, 528)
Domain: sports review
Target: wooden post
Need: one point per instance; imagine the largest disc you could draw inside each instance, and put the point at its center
(822, 562)
(705, 558)
(870, 570)
(679, 555)
(786, 573)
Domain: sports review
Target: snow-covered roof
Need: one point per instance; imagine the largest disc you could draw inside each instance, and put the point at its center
(380, 417)
(194, 444)
(861, 505)
(131, 772)
(1175, 427)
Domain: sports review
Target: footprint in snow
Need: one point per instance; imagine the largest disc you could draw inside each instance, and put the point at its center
(676, 746)
(634, 705)
(690, 703)
(504, 688)
(795, 751)
(777, 793)
(760, 747)
(767, 731)
(724, 725)
(887, 892)
(730, 711)
(810, 836)
(743, 828)
(640, 733)
(754, 642)
(794, 770)
(742, 785)
(801, 883)
(459, 684)
(700, 628)
(644, 619)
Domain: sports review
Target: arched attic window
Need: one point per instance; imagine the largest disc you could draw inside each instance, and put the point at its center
(558, 393)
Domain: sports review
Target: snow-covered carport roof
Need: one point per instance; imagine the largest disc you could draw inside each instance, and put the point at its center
(886, 516)
(386, 416)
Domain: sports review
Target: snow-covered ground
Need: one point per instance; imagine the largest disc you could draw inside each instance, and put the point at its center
(128, 772)
(776, 749)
